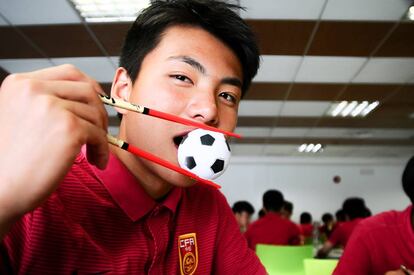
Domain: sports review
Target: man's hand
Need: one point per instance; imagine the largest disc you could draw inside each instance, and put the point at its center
(400, 272)
(45, 117)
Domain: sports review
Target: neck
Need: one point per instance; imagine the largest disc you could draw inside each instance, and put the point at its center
(153, 185)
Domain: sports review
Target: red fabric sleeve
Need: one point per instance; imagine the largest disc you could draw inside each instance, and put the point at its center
(337, 236)
(233, 255)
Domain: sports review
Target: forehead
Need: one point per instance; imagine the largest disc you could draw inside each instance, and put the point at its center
(199, 44)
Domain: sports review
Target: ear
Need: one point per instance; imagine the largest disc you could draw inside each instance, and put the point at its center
(121, 87)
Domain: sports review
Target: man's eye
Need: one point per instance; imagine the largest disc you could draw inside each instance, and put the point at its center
(182, 78)
(228, 97)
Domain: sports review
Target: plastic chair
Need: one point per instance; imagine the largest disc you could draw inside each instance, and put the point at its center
(284, 260)
(319, 266)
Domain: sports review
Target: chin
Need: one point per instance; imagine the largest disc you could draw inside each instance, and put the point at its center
(179, 180)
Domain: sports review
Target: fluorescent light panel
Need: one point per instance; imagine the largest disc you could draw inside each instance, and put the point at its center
(410, 13)
(353, 108)
(110, 10)
(310, 148)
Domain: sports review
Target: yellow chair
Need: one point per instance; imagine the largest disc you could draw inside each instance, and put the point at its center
(319, 266)
(284, 260)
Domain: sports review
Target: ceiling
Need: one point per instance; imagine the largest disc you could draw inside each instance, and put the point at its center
(314, 52)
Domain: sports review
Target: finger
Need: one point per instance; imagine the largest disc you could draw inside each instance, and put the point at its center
(86, 112)
(96, 143)
(63, 72)
(76, 92)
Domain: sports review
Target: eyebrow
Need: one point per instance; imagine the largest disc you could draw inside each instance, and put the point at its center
(199, 67)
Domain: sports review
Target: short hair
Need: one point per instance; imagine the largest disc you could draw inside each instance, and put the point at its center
(288, 206)
(327, 217)
(261, 213)
(408, 179)
(305, 218)
(216, 17)
(273, 200)
(340, 215)
(354, 208)
(243, 206)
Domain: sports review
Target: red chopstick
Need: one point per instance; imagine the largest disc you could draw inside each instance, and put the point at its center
(147, 111)
(141, 153)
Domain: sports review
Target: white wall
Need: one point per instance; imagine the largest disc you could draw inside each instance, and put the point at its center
(308, 183)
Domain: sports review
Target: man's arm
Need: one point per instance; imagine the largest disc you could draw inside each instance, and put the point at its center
(46, 117)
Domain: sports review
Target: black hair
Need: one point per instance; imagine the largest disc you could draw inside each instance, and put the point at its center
(408, 179)
(305, 218)
(340, 215)
(288, 206)
(243, 206)
(327, 217)
(261, 213)
(273, 200)
(216, 17)
(354, 208)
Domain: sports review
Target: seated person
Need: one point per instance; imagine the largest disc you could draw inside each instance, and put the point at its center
(326, 229)
(243, 212)
(385, 241)
(272, 228)
(306, 228)
(355, 212)
(287, 210)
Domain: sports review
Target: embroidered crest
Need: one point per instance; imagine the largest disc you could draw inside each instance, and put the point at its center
(188, 253)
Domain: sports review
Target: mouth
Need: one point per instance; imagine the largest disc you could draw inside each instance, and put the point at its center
(178, 139)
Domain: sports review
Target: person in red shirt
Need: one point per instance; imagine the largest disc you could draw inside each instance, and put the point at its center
(102, 209)
(272, 228)
(287, 210)
(383, 242)
(306, 228)
(327, 227)
(355, 212)
(243, 211)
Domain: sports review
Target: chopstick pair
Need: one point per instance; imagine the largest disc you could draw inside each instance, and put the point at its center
(141, 153)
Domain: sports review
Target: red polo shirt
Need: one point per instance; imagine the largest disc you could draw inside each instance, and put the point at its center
(272, 229)
(342, 233)
(379, 244)
(306, 230)
(103, 222)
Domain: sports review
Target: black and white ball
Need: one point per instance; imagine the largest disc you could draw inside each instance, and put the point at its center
(204, 153)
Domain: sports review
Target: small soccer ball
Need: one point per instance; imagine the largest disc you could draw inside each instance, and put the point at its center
(204, 153)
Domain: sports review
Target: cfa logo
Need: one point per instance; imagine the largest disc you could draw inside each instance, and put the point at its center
(188, 253)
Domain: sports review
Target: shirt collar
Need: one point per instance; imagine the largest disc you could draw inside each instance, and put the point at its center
(127, 191)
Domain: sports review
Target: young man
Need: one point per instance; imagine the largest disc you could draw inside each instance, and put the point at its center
(243, 212)
(384, 242)
(287, 210)
(306, 227)
(61, 215)
(272, 228)
(355, 212)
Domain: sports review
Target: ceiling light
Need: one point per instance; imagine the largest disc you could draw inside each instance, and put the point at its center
(353, 108)
(359, 108)
(369, 108)
(410, 13)
(110, 10)
(302, 147)
(348, 109)
(339, 107)
(310, 148)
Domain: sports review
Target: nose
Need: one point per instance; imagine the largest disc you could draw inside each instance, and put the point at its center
(203, 108)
